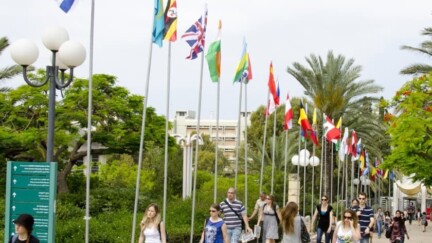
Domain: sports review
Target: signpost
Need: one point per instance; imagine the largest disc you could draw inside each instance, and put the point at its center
(31, 189)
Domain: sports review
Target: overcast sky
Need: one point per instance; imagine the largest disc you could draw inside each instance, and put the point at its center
(284, 31)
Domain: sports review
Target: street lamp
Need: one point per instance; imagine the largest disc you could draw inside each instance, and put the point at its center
(70, 53)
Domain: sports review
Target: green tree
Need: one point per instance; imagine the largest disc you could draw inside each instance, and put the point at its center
(424, 48)
(116, 123)
(334, 88)
(411, 130)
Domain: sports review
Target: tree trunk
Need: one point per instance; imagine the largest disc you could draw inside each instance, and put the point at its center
(62, 186)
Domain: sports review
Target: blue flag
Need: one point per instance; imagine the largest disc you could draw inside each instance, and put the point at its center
(66, 5)
(159, 23)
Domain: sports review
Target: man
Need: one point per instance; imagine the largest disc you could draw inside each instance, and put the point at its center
(410, 210)
(259, 204)
(366, 218)
(234, 213)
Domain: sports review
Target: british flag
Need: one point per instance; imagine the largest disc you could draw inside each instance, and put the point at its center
(195, 37)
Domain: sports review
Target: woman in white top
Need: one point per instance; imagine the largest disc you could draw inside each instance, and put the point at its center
(291, 224)
(347, 230)
(152, 229)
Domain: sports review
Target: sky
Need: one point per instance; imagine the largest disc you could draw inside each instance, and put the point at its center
(282, 32)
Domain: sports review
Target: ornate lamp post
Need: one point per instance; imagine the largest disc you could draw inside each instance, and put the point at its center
(70, 53)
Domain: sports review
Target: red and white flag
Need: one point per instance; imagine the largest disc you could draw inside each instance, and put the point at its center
(288, 114)
(330, 131)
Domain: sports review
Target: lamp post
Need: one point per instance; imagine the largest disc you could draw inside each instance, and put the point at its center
(70, 55)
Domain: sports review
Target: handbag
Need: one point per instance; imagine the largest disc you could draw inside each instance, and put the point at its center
(305, 237)
(388, 233)
(241, 218)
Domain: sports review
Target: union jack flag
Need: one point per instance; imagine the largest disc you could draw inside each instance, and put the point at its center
(195, 37)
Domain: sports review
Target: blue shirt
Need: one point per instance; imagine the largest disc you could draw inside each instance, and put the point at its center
(213, 232)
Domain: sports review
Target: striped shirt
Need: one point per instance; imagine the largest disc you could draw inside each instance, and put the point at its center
(364, 219)
(230, 217)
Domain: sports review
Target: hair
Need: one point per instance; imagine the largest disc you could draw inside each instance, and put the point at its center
(355, 200)
(232, 188)
(354, 217)
(272, 198)
(387, 213)
(289, 212)
(263, 193)
(216, 206)
(363, 194)
(146, 221)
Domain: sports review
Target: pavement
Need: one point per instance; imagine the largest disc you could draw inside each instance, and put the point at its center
(414, 231)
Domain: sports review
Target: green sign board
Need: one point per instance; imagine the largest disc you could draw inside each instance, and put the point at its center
(31, 189)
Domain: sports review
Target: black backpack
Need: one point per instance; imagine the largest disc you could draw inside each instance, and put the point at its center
(166, 234)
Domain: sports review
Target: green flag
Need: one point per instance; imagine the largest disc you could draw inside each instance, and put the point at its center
(214, 57)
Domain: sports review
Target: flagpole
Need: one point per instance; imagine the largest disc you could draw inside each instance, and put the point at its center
(346, 182)
(322, 162)
(166, 134)
(285, 167)
(304, 179)
(141, 148)
(238, 135)
(197, 147)
(352, 178)
(246, 149)
(325, 169)
(217, 143)
(264, 141)
(298, 165)
(89, 124)
(273, 149)
(313, 179)
(338, 186)
(331, 174)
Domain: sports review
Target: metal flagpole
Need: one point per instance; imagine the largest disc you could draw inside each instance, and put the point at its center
(264, 141)
(141, 148)
(285, 167)
(346, 183)
(352, 178)
(304, 180)
(322, 162)
(273, 149)
(217, 143)
(166, 134)
(238, 135)
(338, 187)
(325, 168)
(89, 125)
(197, 146)
(313, 180)
(246, 148)
(298, 164)
(331, 174)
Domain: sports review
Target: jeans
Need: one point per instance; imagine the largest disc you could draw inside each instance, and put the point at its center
(234, 234)
(410, 217)
(364, 239)
(379, 227)
(319, 235)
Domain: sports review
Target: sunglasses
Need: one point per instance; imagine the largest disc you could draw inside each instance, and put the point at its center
(323, 199)
(362, 198)
(212, 211)
(347, 217)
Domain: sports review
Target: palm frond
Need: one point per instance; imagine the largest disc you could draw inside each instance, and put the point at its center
(417, 69)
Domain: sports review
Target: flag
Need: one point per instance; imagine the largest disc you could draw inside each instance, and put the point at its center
(66, 5)
(159, 23)
(344, 145)
(272, 86)
(214, 57)
(303, 120)
(271, 107)
(170, 16)
(353, 145)
(391, 176)
(243, 70)
(330, 131)
(362, 160)
(386, 174)
(195, 36)
(339, 124)
(288, 114)
(358, 147)
(314, 118)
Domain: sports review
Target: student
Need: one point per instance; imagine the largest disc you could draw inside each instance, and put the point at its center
(23, 230)
(398, 229)
(379, 219)
(324, 213)
(258, 205)
(419, 216)
(347, 230)
(291, 223)
(270, 215)
(152, 228)
(215, 229)
(424, 221)
(366, 218)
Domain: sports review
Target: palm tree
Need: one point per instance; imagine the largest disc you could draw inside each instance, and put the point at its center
(425, 48)
(334, 89)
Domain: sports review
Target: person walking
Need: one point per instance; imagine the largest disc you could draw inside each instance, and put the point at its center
(215, 229)
(270, 215)
(366, 218)
(152, 228)
(424, 221)
(410, 210)
(387, 220)
(354, 204)
(347, 230)
(419, 216)
(258, 205)
(23, 230)
(234, 216)
(324, 213)
(379, 219)
(398, 229)
(291, 223)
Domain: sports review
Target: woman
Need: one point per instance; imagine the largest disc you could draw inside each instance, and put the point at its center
(379, 219)
(23, 230)
(152, 229)
(354, 204)
(398, 228)
(424, 221)
(215, 229)
(387, 220)
(270, 215)
(419, 216)
(347, 230)
(324, 212)
(291, 224)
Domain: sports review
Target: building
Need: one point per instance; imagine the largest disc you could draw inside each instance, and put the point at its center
(185, 123)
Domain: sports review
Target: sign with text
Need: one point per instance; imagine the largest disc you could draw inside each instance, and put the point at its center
(31, 189)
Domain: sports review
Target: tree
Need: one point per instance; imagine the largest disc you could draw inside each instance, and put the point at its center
(411, 130)
(116, 122)
(424, 48)
(334, 89)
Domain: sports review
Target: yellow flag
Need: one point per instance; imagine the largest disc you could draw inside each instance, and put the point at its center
(339, 124)
(314, 117)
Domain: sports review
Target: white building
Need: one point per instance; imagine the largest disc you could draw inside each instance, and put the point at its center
(185, 123)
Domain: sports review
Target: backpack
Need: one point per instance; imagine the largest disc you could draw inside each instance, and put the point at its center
(14, 238)
(166, 234)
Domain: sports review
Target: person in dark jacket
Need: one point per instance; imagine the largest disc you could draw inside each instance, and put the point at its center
(23, 230)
